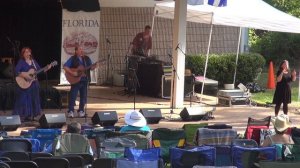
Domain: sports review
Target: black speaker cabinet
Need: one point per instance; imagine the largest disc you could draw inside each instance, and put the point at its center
(56, 120)
(105, 118)
(152, 115)
(192, 113)
(166, 86)
(10, 123)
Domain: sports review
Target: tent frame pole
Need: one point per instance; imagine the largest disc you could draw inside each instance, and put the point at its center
(206, 61)
(237, 55)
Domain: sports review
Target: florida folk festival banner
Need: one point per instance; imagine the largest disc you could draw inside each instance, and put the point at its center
(80, 29)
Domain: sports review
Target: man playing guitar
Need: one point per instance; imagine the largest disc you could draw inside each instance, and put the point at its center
(83, 62)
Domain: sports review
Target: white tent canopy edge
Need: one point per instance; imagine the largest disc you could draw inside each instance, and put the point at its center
(238, 13)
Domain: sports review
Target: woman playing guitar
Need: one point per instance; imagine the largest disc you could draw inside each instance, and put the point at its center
(27, 103)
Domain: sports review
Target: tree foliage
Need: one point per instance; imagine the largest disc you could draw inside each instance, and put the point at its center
(276, 46)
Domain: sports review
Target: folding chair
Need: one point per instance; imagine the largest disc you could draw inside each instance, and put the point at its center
(104, 162)
(291, 152)
(34, 155)
(254, 126)
(88, 159)
(205, 136)
(165, 138)
(141, 138)
(16, 145)
(14, 156)
(246, 157)
(51, 162)
(218, 126)
(45, 136)
(189, 157)
(190, 131)
(4, 165)
(136, 158)
(22, 164)
(247, 143)
(75, 161)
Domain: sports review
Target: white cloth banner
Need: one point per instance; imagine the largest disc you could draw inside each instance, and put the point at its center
(80, 29)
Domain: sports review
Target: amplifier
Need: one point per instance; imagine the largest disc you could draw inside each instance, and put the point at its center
(166, 86)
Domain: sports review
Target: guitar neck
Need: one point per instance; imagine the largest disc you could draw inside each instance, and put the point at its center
(41, 70)
(89, 67)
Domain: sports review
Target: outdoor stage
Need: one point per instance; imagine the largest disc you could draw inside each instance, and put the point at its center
(110, 98)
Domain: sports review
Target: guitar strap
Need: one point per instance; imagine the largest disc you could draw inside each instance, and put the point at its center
(33, 64)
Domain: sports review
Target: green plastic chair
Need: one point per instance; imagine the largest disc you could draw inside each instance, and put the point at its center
(191, 130)
(165, 139)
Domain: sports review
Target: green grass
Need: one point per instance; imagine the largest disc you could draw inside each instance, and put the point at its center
(267, 96)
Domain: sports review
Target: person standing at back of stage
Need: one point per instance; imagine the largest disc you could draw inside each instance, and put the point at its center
(142, 43)
(282, 93)
(27, 102)
(79, 59)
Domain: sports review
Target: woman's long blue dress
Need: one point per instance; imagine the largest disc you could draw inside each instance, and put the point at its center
(27, 103)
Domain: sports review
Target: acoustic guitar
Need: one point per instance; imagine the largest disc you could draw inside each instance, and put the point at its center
(80, 72)
(26, 83)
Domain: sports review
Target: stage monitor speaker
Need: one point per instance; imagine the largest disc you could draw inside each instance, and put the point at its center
(10, 123)
(192, 113)
(152, 115)
(56, 120)
(105, 118)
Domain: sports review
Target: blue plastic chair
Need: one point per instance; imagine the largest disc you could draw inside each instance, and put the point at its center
(201, 155)
(243, 157)
(45, 136)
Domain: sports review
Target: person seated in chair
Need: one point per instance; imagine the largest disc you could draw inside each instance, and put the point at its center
(281, 125)
(135, 122)
(72, 141)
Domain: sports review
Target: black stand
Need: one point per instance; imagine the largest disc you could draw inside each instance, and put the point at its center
(135, 83)
(47, 95)
(87, 89)
(126, 90)
(173, 82)
(108, 76)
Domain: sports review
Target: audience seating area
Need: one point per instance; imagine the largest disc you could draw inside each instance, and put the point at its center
(194, 146)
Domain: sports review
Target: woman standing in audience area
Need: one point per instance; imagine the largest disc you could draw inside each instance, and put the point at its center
(282, 93)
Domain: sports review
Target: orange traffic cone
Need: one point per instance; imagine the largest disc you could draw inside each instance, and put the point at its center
(271, 79)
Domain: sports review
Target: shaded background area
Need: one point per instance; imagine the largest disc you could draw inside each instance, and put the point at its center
(32, 23)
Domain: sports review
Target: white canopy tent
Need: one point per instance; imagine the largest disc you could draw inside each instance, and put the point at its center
(238, 13)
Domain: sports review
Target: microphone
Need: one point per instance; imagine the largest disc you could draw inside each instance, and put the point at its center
(177, 46)
(107, 40)
(8, 39)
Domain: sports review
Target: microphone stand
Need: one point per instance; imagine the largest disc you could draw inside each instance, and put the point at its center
(88, 76)
(108, 79)
(191, 93)
(173, 82)
(126, 82)
(135, 84)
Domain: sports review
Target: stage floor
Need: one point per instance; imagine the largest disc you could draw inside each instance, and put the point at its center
(109, 98)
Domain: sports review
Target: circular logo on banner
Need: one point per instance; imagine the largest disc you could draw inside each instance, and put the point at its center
(86, 40)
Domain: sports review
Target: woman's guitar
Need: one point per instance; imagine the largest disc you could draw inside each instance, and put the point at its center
(80, 72)
(26, 83)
